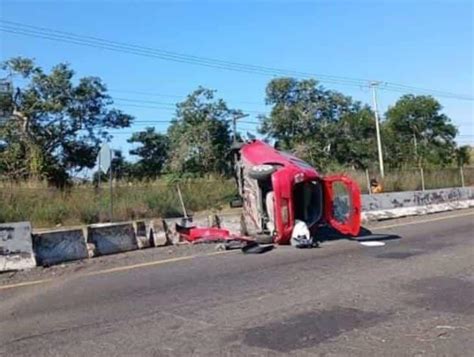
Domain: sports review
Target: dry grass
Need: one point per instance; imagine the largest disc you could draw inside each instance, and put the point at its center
(45, 206)
(410, 180)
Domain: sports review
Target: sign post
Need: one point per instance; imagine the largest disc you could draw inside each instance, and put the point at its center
(104, 159)
(111, 189)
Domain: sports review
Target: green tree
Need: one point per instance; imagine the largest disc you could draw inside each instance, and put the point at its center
(463, 155)
(321, 126)
(57, 125)
(153, 153)
(418, 133)
(199, 134)
(356, 138)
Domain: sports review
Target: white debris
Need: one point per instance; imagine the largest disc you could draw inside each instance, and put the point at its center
(300, 236)
(372, 244)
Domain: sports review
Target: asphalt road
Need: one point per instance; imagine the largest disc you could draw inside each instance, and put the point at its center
(411, 297)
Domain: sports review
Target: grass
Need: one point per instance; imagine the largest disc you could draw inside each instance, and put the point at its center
(46, 206)
(410, 180)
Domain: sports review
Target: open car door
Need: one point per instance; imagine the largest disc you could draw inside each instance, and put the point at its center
(342, 204)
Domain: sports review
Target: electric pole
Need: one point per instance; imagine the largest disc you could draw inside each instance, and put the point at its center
(234, 125)
(374, 85)
(415, 144)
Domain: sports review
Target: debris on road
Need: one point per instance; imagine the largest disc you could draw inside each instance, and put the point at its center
(372, 244)
(228, 241)
(301, 236)
(255, 248)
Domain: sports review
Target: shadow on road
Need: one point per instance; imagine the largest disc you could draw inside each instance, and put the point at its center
(365, 234)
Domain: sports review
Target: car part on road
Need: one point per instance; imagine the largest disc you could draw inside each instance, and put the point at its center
(232, 244)
(372, 244)
(255, 248)
(301, 237)
(210, 233)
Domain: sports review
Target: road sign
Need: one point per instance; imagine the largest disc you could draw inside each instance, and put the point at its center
(104, 162)
(104, 158)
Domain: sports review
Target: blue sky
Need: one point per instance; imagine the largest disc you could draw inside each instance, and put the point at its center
(426, 44)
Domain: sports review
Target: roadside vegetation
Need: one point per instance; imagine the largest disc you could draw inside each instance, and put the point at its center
(47, 206)
(53, 124)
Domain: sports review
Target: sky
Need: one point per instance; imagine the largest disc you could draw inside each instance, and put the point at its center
(427, 44)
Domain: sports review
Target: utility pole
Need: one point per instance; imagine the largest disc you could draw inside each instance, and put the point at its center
(415, 144)
(374, 85)
(234, 125)
(111, 188)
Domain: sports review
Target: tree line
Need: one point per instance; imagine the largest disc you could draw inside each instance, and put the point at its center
(56, 124)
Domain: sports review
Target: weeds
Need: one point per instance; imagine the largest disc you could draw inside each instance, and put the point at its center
(45, 206)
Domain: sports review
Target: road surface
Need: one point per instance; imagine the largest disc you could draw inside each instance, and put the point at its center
(411, 297)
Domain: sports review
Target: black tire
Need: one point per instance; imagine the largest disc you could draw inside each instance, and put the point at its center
(261, 172)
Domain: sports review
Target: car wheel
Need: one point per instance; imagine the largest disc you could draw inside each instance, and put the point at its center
(261, 172)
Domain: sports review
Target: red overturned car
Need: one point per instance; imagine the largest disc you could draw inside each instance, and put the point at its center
(278, 189)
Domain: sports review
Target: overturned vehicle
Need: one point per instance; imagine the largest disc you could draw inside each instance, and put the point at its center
(279, 191)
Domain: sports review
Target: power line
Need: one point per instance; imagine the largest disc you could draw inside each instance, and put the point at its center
(147, 93)
(68, 37)
(404, 88)
(171, 106)
(133, 51)
(457, 123)
(154, 94)
(63, 35)
(133, 132)
(166, 109)
(169, 121)
(384, 86)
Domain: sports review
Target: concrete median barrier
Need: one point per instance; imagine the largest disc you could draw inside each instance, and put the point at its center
(58, 246)
(401, 204)
(19, 249)
(16, 248)
(111, 238)
(160, 233)
(142, 234)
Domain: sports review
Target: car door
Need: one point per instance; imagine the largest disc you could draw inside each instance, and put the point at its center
(342, 204)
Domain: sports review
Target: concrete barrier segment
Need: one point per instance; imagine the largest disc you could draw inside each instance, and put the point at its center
(58, 246)
(16, 248)
(400, 212)
(111, 238)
